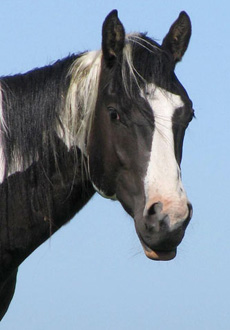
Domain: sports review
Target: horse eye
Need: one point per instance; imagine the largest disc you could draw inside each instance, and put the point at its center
(114, 115)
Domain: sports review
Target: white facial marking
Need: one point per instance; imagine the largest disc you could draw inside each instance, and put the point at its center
(163, 181)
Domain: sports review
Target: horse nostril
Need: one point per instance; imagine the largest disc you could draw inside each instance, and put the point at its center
(155, 208)
(156, 220)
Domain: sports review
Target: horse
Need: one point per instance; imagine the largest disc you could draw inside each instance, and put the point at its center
(110, 121)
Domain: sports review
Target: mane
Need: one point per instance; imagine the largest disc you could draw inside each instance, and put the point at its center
(29, 115)
(59, 101)
(81, 99)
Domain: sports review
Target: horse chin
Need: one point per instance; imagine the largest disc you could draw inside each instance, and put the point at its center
(159, 255)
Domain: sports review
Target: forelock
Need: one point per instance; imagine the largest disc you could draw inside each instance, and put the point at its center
(144, 62)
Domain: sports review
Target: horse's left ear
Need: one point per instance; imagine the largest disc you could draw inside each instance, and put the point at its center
(177, 39)
(113, 38)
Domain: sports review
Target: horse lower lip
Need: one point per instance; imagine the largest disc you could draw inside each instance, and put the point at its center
(160, 255)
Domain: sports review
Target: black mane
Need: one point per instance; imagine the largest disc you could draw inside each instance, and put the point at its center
(31, 106)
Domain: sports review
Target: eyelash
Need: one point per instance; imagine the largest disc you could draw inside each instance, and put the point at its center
(193, 114)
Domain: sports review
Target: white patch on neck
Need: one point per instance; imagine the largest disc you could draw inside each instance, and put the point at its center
(163, 180)
(3, 129)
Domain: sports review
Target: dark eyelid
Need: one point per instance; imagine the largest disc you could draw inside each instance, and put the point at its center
(110, 107)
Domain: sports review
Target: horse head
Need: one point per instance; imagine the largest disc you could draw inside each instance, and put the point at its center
(134, 147)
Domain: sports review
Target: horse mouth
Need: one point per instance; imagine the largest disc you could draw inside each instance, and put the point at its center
(159, 255)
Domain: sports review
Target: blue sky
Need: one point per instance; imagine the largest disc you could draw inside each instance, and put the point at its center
(93, 273)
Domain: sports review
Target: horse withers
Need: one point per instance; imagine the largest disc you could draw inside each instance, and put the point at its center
(110, 121)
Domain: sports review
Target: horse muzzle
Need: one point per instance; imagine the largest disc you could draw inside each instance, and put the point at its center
(161, 229)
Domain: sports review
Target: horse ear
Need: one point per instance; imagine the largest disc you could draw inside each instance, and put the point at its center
(113, 38)
(177, 39)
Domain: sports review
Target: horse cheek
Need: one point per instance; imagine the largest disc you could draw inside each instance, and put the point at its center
(102, 160)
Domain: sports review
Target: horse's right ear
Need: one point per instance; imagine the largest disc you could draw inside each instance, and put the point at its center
(113, 38)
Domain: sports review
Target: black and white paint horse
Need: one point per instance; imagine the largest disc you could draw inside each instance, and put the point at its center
(111, 121)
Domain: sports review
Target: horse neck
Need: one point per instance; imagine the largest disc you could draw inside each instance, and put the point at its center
(34, 206)
(49, 184)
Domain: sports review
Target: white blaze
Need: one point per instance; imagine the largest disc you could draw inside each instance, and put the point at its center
(163, 181)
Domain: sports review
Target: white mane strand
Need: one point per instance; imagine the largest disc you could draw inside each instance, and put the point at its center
(81, 99)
